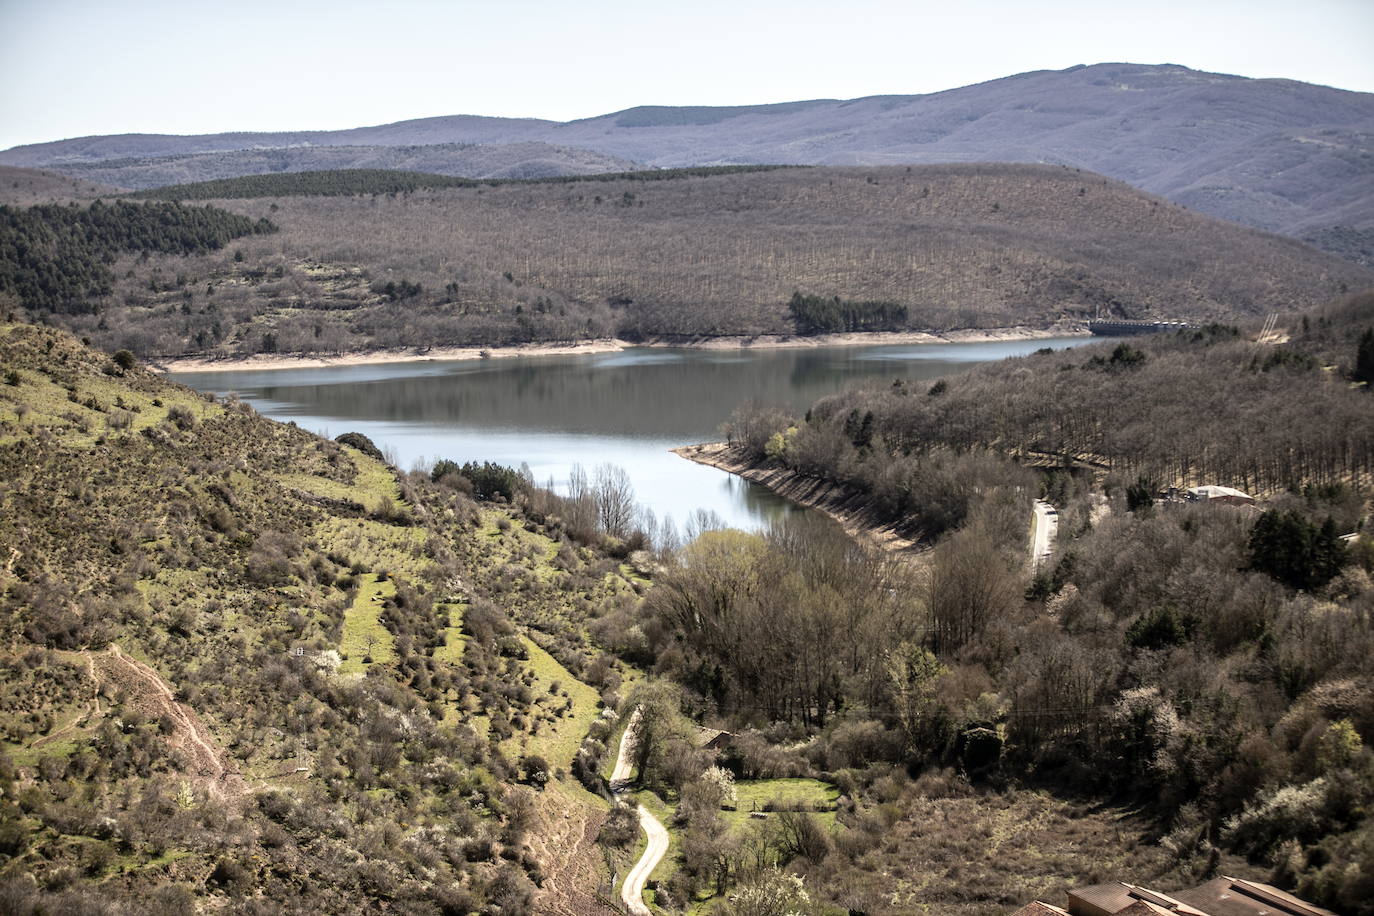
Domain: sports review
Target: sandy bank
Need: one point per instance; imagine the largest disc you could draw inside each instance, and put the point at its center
(265, 361)
(873, 338)
(850, 510)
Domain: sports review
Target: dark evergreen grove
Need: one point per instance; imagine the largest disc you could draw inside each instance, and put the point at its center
(819, 315)
(57, 258)
(350, 182)
(1364, 358)
(1296, 552)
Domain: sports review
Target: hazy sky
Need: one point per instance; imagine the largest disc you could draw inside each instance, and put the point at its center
(76, 67)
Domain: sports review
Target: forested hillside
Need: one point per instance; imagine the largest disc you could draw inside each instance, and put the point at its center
(1194, 407)
(703, 255)
(349, 182)
(55, 259)
(248, 668)
(1206, 663)
(24, 187)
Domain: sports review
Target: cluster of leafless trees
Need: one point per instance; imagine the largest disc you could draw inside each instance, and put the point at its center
(787, 625)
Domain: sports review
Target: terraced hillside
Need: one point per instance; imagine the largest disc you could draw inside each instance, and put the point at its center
(240, 661)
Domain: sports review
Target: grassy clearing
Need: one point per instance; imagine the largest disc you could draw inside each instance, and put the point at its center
(512, 543)
(330, 489)
(363, 633)
(375, 481)
(757, 794)
(389, 547)
(130, 864)
(455, 640)
(26, 755)
(557, 742)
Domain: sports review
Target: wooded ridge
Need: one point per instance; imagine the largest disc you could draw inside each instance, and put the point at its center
(941, 247)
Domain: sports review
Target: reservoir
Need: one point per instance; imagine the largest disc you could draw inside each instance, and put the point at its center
(628, 408)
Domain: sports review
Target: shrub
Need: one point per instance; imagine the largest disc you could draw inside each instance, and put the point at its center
(621, 826)
(536, 770)
(1291, 812)
(181, 417)
(362, 444)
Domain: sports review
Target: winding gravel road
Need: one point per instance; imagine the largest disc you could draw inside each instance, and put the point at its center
(632, 891)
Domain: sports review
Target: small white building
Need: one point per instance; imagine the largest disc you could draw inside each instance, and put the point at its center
(1215, 494)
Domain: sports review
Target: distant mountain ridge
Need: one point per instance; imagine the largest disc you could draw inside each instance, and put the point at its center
(527, 159)
(1276, 154)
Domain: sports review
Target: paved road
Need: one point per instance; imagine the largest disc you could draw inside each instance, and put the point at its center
(1043, 533)
(632, 891)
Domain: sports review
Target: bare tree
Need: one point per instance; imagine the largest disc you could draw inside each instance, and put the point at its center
(970, 585)
(614, 497)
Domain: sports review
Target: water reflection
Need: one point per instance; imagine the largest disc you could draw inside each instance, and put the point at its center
(552, 412)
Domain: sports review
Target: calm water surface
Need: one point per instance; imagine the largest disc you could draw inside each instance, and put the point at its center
(553, 412)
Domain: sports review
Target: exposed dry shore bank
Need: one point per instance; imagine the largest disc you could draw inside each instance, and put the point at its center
(847, 508)
(264, 361)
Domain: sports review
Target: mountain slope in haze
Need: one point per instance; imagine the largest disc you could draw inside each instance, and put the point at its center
(507, 160)
(454, 129)
(1277, 154)
(25, 187)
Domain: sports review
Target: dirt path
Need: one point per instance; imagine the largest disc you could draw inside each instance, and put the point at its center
(632, 891)
(92, 707)
(565, 843)
(153, 696)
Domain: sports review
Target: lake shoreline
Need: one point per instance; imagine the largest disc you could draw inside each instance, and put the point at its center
(844, 507)
(272, 361)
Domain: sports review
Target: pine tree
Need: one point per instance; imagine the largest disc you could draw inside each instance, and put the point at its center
(1364, 358)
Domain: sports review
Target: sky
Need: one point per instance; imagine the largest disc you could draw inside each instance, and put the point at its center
(73, 68)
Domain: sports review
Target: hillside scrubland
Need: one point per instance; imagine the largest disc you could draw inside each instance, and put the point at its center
(250, 668)
(722, 254)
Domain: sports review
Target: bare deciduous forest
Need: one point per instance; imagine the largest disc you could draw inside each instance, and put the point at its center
(1206, 661)
(956, 246)
(1183, 409)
